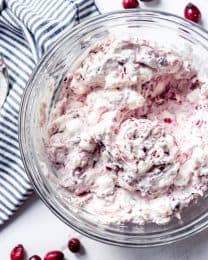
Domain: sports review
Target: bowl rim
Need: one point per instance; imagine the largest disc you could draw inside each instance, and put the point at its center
(196, 225)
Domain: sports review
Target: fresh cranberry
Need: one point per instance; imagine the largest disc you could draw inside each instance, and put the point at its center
(127, 4)
(168, 120)
(35, 257)
(192, 12)
(74, 245)
(18, 253)
(54, 255)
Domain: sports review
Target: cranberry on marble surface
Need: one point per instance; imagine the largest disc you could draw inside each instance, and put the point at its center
(54, 255)
(192, 12)
(74, 245)
(35, 257)
(18, 253)
(128, 4)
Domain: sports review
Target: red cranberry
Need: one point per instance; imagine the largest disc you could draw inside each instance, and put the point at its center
(54, 255)
(74, 245)
(192, 12)
(127, 4)
(18, 253)
(168, 120)
(35, 257)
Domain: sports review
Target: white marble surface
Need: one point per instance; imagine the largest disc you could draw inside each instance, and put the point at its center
(39, 230)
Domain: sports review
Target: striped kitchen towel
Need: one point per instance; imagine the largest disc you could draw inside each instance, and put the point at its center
(27, 29)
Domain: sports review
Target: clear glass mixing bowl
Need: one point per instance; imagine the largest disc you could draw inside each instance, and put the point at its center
(41, 93)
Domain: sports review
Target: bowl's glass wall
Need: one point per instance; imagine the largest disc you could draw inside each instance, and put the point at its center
(45, 85)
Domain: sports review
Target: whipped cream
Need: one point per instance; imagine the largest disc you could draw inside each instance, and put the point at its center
(128, 137)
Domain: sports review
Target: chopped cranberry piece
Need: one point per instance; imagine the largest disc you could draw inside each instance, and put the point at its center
(93, 164)
(18, 253)
(192, 12)
(118, 168)
(127, 4)
(121, 63)
(168, 120)
(74, 245)
(54, 255)
(162, 167)
(144, 149)
(154, 153)
(198, 123)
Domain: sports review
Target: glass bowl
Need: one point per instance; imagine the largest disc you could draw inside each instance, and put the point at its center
(40, 96)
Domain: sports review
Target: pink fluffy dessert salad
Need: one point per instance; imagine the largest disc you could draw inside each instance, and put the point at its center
(128, 137)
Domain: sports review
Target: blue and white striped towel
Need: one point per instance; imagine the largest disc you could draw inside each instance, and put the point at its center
(27, 30)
